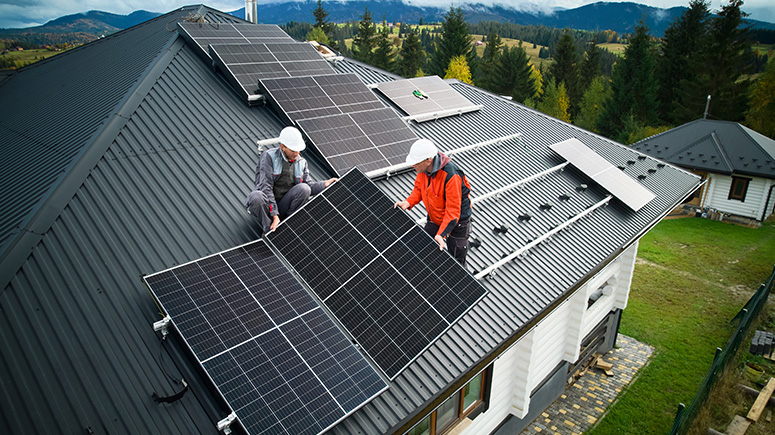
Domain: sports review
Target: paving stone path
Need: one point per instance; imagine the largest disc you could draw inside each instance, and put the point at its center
(584, 402)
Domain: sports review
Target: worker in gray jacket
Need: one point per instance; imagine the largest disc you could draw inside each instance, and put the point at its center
(282, 181)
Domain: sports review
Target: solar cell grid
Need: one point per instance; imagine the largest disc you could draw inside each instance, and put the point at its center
(278, 360)
(382, 276)
(438, 98)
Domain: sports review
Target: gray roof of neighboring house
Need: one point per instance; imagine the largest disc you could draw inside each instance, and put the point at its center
(722, 147)
(138, 159)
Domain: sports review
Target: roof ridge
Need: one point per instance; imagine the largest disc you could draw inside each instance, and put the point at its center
(746, 131)
(721, 150)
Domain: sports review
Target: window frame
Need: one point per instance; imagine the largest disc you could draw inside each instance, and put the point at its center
(473, 410)
(733, 188)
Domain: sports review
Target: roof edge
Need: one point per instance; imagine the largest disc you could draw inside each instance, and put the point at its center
(65, 188)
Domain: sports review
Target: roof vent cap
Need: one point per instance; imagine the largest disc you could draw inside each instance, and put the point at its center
(502, 229)
(546, 206)
(581, 187)
(525, 217)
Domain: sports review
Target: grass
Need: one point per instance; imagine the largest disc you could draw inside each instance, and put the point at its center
(27, 57)
(617, 49)
(532, 53)
(692, 277)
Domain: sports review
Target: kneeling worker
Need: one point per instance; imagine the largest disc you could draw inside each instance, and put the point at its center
(282, 181)
(444, 190)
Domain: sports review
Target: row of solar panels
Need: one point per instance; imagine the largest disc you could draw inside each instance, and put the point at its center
(264, 319)
(346, 122)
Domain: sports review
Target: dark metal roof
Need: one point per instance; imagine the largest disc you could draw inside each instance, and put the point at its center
(722, 147)
(158, 178)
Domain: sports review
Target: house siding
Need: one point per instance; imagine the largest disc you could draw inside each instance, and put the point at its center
(539, 353)
(717, 196)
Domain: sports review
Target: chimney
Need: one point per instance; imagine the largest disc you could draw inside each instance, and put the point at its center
(251, 11)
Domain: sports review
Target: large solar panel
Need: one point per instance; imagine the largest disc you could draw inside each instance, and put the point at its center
(600, 170)
(370, 140)
(345, 121)
(276, 357)
(426, 98)
(247, 63)
(313, 97)
(381, 275)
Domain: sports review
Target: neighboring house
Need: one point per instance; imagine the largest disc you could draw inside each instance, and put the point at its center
(736, 163)
(142, 164)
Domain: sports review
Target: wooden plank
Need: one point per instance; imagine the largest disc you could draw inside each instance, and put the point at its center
(738, 426)
(603, 365)
(761, 401)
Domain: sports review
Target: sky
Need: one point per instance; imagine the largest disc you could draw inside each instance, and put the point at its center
(28, 13)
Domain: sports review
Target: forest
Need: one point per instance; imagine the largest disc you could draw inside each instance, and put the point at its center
(655, 85)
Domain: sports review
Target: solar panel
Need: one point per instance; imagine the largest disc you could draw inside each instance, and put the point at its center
(247, 63)
(276, 357)
(381, 275)
(370, 140)
(426, 98)
(204, 34)
(627, 190)
(313, 97)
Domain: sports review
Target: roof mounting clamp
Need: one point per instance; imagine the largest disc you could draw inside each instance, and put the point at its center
(163, 326)
(224, 425)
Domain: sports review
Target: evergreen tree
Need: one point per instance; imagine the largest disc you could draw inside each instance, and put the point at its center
(590, 66)
(365, 41)
(383, 54)
(322, 23)
(761, 110)
(565, 68)
(458, 69)
(513, 74)
(412, 56)
(633, 85)
(682, 47)
(592, 103)
(321, 18)
(492, 51)
(724, 64)
(555, 102)
(455, 41)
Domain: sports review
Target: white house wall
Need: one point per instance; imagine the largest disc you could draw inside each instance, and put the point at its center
(755, 198)
(555, 339)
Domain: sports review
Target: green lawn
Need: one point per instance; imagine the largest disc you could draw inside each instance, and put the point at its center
(693, 275)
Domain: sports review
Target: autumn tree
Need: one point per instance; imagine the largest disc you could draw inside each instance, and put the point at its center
(761, 109)
(555, 101)
(412, 56)
(365, 41)
(454, 41)
(458, 69)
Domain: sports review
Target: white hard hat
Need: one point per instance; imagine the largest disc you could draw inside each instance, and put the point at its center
(421, 149)
(291, 138)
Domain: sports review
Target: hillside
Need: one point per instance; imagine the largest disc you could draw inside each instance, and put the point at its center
(621, 17)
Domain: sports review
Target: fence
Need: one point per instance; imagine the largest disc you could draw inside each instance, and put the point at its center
(745, 317)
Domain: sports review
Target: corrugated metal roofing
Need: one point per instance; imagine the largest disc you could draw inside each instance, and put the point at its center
(77, 350)
(722, 147)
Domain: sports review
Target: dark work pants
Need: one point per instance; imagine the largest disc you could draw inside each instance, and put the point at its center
(457, 241)
(256, 204)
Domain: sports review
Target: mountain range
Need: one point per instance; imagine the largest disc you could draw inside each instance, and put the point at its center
(620, 17)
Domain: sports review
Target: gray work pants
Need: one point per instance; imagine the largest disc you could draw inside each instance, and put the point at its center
(457, 241)
(258, 206)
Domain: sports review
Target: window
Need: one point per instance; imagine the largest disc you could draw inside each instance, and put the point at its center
(739, 188)
(469, 401)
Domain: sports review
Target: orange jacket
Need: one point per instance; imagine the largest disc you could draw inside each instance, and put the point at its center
(445, 193)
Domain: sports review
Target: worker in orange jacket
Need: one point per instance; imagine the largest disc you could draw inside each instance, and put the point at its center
(444, 190)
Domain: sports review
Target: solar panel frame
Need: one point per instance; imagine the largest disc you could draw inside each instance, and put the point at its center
(204, 34)
(376, 271)
(442, 100)
(311, 379)
(620, 185)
